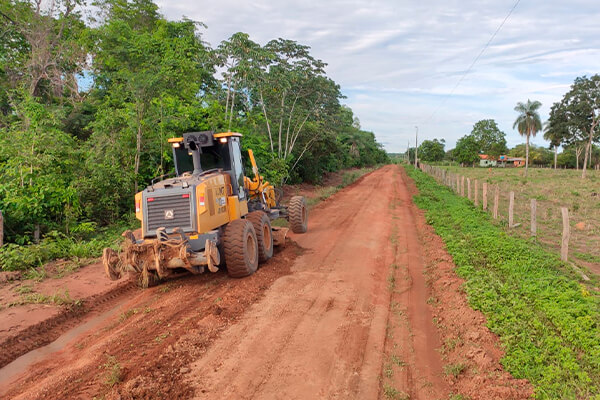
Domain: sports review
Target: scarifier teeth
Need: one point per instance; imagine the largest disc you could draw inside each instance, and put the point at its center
(110, 260)
(129, 236)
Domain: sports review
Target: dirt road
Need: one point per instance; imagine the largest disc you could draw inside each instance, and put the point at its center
(345, 313)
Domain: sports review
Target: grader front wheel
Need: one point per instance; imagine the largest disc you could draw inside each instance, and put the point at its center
(241, 248)
(298, 214)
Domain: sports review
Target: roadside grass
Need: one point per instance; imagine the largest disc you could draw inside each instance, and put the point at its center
(28, 296)
(454, 369)
(56, 245)
(552, 189)
(114, 374)
(547, 322)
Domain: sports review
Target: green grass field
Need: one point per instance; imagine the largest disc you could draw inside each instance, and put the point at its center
(552, 189)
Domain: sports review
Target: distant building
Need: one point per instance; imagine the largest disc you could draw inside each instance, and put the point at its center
(486, 161)
(506, 161)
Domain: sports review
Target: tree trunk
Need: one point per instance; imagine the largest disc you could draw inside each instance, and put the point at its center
(588, 147)
(228, 94)
(585, 160)
(231, 112)
(36, 234)
(555, 155)
(527, 154)
(262, 103)
(138, 146)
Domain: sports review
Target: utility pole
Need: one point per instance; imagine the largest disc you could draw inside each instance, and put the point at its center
(408, 152)
(416, 145)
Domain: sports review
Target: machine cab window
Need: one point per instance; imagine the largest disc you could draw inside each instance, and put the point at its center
(200, 152)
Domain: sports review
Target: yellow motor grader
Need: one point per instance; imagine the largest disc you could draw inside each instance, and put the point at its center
(206, 216)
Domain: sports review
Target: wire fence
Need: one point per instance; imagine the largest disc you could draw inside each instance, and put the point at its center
(538, 217)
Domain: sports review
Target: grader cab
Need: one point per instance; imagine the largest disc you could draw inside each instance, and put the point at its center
(208, 215)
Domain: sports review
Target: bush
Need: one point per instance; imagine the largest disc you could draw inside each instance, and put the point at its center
(56, 245)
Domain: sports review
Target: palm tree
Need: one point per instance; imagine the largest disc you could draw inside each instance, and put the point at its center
(528, 123)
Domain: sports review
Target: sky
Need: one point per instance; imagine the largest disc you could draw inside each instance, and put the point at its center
(398, 62)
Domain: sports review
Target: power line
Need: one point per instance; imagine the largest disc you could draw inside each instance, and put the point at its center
(475, 60)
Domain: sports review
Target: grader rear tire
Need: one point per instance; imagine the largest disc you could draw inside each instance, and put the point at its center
(241, 248)
(298, 214)
(262, 227)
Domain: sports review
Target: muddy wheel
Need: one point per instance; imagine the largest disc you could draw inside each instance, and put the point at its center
(262, 227)
(241, 248)
(298, 214)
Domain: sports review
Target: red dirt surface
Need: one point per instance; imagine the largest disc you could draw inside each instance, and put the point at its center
(365, 306)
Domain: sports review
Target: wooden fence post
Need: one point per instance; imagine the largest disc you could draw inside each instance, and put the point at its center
(511, 209)
(1, 229)
(496, 201)
(469, 188)
(457, 184)
(462, 186)
(484, 196)
(476, 193)
(533, 217)
(564, 247)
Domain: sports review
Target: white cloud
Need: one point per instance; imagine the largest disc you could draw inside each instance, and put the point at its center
(398, 60)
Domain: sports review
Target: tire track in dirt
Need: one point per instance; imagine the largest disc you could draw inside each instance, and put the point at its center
(49, 330)
(144, 350)
(413, 366)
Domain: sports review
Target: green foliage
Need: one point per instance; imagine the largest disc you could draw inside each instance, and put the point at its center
(538, 155)
(38, 165)
(56, 245)
(466, 150)
(575, 119)
(112, 367)
(491, 140)
(547, 324)
(432, 150)
(528, 123)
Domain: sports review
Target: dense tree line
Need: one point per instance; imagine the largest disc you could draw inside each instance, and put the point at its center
(70, 155)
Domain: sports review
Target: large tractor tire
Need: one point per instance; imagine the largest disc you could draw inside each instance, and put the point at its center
(298, 214)
(240, 248)
(262, 227)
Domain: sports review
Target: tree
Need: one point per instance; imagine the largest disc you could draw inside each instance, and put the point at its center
(44, 51)
(241, 57)
(432, 150)
(528, 123)
(577, 115)
(142, 65)
(491, 140)
(554, 137)
(466, 150)
(38, 163)
(538, 155)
